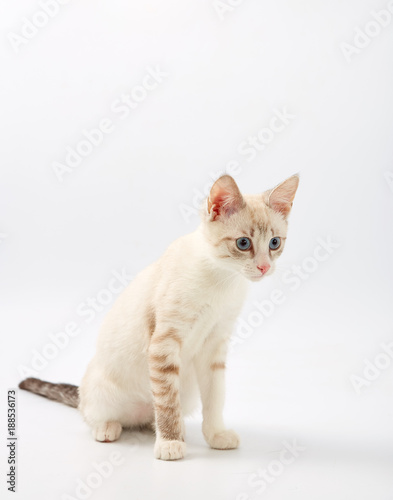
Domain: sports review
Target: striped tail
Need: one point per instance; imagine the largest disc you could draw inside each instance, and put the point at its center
(63, 393)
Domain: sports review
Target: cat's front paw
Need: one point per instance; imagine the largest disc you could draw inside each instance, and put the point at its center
(223, 440)
(169, 450)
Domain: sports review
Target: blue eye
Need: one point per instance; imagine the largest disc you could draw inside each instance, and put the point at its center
(243, 244)
(275, 243)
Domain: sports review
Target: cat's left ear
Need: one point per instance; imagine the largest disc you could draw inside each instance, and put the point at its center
(224, 199)
(281, 197)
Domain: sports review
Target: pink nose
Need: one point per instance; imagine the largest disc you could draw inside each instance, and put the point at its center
(264, 269)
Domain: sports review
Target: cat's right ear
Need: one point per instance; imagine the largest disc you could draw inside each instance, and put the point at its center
(224, 199)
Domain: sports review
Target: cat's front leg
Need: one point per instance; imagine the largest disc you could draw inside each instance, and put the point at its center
(164, 366)
(210, 368)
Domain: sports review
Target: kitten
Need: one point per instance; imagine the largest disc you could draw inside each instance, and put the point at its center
(168, 332)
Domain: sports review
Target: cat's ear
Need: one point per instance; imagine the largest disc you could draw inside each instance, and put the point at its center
(225, 198)
(281, 197)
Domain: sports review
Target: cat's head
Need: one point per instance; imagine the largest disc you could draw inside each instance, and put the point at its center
(247, 233)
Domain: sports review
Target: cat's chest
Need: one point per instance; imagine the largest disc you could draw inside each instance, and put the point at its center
(216, 304)
(216, 312)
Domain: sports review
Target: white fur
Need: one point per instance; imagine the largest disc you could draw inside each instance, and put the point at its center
(116, 386)
(196, 289)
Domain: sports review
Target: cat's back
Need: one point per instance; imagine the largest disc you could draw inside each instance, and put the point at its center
(138, 300)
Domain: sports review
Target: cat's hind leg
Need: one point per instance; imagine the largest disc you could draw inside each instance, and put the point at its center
(111, 403)
(107, 432)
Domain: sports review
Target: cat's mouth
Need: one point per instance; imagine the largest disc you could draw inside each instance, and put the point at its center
(255, 277)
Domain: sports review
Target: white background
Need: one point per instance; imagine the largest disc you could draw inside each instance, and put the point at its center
(290, 378)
